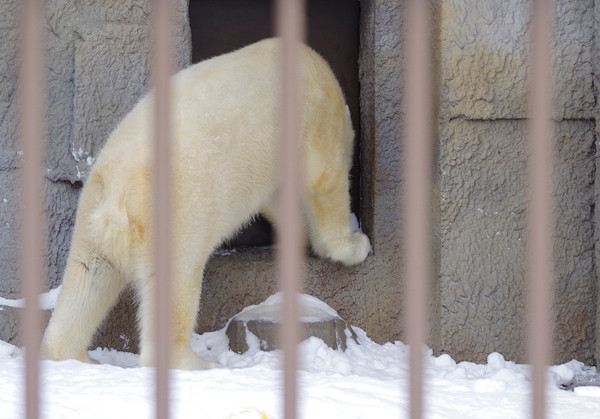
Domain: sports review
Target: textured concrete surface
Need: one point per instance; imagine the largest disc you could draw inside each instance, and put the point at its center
(484, 50)
(596, 215)
(11, 319)
(98, 68)
(483, 179)
(483, 204)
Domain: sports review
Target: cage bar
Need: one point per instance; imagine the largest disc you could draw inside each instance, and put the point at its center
(162, 69)
(417, 199)
(32, 145)
(290, 22)
(540, 212)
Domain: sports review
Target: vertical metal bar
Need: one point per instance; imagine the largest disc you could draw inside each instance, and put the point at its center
(540, 211)
(417, 199)
(290, 23)
(32, 131)
(162, 69)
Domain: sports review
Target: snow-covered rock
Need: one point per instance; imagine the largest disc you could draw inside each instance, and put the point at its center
(258, 325)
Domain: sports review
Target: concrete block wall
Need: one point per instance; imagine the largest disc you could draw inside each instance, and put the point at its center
(596, 215)
(483, 180)
(98, 68)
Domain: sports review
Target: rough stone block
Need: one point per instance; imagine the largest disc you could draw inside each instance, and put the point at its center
(332, 332)
(484, 58)
(483, 208)
(10, 319)
(111, 73)
(9, 231)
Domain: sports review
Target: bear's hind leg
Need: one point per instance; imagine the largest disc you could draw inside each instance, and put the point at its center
(186, 288)
(90, 288)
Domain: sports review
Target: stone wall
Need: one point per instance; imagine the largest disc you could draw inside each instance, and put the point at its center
(98, 68)
(483, 180)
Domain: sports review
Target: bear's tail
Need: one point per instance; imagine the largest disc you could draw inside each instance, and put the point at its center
(110, 226)
(108, 221)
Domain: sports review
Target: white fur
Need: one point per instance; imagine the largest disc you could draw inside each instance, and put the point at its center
(224, 126)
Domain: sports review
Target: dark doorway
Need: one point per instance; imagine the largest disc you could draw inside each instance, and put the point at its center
(220, 26)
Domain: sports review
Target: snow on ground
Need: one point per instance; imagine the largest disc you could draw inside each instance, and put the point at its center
(366, 381)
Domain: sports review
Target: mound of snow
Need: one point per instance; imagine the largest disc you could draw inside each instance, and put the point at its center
(368, 380)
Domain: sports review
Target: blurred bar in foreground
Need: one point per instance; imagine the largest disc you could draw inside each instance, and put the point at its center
(32, 98)
(290, 22)
(162, 70)
(418, 114)
(540, 212)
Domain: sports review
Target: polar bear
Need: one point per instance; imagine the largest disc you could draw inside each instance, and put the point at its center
(225, 112)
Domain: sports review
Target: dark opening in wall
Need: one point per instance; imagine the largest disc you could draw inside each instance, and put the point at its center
(220, 26)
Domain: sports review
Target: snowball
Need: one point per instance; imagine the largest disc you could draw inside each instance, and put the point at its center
(496, 361)
(562, 374)
(444, 361)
